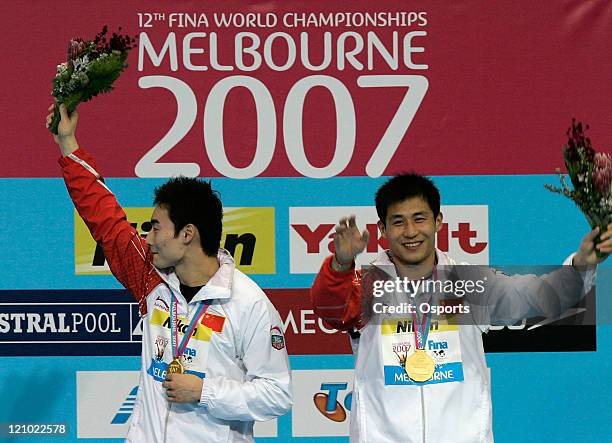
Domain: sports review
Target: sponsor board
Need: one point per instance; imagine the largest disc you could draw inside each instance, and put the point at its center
(107, 322)
(464, 234)
(382, 87)
(75, 322)
(304, 332)
(111, 418)
(322, 402)
(248, 234)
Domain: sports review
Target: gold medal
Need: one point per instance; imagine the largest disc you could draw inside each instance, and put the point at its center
(420, 366)
(175, 367)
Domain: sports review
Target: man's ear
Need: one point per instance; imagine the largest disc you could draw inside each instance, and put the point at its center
(381, 229)
(439, 222)
(188, 233)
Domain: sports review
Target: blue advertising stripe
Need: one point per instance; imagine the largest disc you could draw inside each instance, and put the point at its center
(38, 296)
(157, 370)
(527, 224)
(121, 418)
(55, 378)
(444, 373)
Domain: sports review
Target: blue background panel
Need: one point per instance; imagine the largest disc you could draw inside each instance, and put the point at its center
(548, 397)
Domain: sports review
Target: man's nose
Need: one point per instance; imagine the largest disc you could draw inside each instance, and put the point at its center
(410, 230)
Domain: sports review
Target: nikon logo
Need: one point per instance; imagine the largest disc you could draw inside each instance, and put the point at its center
(248, 234)
(241, 246)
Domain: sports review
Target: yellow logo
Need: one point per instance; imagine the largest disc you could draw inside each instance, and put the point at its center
(203, 331)
(404, 325)
(248, 234)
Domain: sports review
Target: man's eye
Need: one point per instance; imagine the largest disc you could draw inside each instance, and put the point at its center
(398, 223)
(419, 219)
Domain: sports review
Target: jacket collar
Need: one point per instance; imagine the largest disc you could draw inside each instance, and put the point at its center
(383, 261)
(218, 287)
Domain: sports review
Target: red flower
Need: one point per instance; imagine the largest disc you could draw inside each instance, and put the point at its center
(76, 48)
(576, 140)
(602, 172)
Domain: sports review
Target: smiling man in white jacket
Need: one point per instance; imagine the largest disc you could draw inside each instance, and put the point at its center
(443, 397)
(213, 353)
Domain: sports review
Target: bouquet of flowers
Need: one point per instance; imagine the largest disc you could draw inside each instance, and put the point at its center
(91, 69)
(591, 175)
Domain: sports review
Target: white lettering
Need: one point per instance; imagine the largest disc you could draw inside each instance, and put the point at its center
(402, 377)
(188, 51)
(49, 323)
(290, 320)
(349, 55)
(305, 321)
(62, 323)
(409, 50)
(5, 326)
(443, 375)
(251, 50)
(77, 319)
(326, 330)
(291, 51)
(156, 59)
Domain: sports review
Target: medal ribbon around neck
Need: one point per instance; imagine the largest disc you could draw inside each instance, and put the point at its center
(421, 330)
(177, 352)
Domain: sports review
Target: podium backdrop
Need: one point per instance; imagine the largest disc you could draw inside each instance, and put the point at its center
(298, 111)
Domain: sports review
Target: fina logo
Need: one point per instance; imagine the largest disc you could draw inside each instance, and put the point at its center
(126, 409)
(328, 404)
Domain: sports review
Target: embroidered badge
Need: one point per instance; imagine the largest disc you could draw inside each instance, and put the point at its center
(160, 345)
(276, 337)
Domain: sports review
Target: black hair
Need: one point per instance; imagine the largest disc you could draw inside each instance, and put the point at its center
(191, 200)
(405, 186)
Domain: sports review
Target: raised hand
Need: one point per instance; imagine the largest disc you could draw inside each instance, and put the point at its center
(348, 241)
(66, 130)
(586, 256)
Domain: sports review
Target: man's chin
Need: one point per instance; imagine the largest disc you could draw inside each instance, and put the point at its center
(412, 258)
(164, 269)
(411, 261)
(158, 264)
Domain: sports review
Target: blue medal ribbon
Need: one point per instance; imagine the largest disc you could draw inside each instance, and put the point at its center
(421, 334)
(201, 310)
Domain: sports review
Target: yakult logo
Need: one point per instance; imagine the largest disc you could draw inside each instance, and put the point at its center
(464, 234)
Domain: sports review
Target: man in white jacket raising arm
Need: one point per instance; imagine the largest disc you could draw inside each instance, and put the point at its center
(213, 353)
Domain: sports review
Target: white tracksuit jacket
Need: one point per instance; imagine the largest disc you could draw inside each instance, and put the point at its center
(387, 407)
(237, 348)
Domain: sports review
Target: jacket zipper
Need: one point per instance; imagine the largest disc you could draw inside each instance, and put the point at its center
(170, 403)
(166, 424)
(423, 422)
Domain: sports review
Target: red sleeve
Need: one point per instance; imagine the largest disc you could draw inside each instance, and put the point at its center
(336, 297)
(125, 250)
